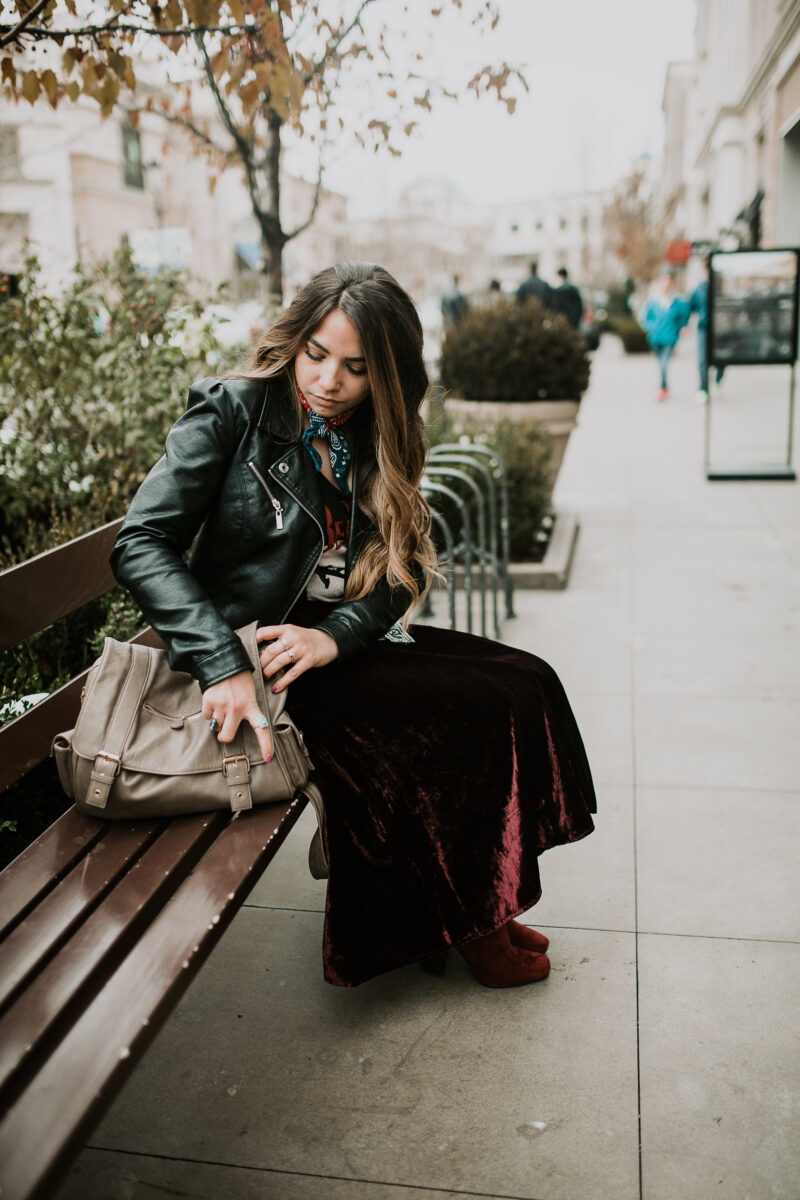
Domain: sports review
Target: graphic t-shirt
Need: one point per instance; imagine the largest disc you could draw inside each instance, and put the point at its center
(327, 582)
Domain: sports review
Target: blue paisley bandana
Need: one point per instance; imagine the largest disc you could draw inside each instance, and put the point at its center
(338, 445)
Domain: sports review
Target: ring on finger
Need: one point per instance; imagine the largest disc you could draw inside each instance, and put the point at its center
(261, 723)
(213, 724)
(285, 645)
(291, 656)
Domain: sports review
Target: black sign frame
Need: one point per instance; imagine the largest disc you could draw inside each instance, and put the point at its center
(747, 325)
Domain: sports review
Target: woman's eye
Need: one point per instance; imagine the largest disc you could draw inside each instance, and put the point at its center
(314, 357)
(356, 371)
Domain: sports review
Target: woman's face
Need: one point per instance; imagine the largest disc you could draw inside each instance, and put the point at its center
(331, 370)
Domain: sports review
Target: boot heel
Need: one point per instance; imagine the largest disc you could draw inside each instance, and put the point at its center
(436, 965)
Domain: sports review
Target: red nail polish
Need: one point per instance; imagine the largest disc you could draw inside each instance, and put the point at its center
(274, 691)
(268, 758)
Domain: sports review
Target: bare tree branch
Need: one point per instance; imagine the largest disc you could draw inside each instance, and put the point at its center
(314, 201)
(16, 30)
(331, 49)
(185, 123)
(41, 33)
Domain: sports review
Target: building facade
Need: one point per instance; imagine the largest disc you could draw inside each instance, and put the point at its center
(555, 231)
(732, 124)
(75, 185)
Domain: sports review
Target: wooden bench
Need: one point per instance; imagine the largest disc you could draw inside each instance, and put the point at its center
(102, 925)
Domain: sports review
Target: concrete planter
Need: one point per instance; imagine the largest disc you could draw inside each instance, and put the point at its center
(559, 417)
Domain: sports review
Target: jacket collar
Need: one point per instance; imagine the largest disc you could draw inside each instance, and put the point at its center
(278, 417)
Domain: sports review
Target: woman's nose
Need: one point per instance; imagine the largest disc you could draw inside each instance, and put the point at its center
(329, 374)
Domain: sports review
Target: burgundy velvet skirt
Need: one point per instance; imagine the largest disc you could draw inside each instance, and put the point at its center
(447, 767)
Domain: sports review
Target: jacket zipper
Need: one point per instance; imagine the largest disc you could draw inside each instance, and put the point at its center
(304, 584)
(276, 504)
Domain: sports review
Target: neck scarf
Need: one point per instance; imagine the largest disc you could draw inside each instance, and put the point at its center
(330, 429)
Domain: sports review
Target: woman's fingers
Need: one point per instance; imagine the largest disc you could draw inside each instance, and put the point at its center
(233, 700)
(256, 720)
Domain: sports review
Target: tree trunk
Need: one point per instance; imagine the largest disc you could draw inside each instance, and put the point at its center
(271, 232)
(273, 269)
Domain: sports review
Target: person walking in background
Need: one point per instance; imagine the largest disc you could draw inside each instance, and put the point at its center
(454, 303)
(494, 294)
(698, 303)
(663, 316)
(568, 299)
(535, 286)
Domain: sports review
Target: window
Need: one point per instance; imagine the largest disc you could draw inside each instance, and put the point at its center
(562, 224)
(539, 226)
(9, 152)
(132, 157)
(515, 228)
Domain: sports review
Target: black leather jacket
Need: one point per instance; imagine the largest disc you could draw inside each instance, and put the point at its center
(235, 470)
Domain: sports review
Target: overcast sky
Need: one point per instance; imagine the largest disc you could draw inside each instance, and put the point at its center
(595, 69)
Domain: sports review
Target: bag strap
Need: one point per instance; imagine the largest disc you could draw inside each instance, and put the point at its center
(107, 761)
(271, 705)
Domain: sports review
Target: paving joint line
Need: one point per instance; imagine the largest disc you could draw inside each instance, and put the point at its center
(412, 1187)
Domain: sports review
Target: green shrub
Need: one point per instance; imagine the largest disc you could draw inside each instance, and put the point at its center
(630, 333)
(90, 382)
(512, 351)
(525, 450)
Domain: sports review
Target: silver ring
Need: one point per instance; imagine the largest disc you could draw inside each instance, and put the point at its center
(291, 657)
(261, 723)
(285, 645)
(213, 724)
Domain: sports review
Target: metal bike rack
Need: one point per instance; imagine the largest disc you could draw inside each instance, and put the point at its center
(455, 473)
(497, 474)
(464, 546)
(449, 570)
(490, 555)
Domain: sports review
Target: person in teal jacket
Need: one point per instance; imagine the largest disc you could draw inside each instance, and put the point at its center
(663, 316)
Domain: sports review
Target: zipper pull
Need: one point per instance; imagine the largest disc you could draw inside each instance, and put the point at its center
(276, 504)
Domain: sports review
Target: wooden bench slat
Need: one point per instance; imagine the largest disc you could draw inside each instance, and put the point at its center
(30, 944)
(28, 601)
(26, 740)
(94, 1059)
(44, 863)
(48, 1007)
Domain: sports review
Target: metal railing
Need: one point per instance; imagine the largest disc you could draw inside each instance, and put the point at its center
(471, 479)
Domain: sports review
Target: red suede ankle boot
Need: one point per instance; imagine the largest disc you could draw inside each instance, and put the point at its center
(527, 938)
(496, 963)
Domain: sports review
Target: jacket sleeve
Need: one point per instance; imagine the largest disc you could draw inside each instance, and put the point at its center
(163, 519)
(356, 624)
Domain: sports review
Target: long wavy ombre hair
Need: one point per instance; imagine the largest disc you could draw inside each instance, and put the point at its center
(392, 440)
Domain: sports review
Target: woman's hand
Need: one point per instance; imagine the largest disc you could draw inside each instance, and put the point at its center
(295, 648)
(232, 701)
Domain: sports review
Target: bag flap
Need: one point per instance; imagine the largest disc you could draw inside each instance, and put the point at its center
(165, 731)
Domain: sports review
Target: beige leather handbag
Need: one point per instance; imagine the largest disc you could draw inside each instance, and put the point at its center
(141, 747)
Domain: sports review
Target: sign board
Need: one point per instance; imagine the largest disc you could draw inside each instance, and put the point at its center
(752, 307)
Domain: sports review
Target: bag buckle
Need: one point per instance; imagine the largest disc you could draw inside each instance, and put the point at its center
(235, 758)
(115, 758)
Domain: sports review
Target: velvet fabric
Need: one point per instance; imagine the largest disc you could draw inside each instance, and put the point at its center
(447, 767)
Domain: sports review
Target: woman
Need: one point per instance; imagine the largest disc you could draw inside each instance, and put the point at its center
(663, 316)
(447, 762)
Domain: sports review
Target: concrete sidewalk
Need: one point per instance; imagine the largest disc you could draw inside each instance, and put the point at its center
(660, 1059)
